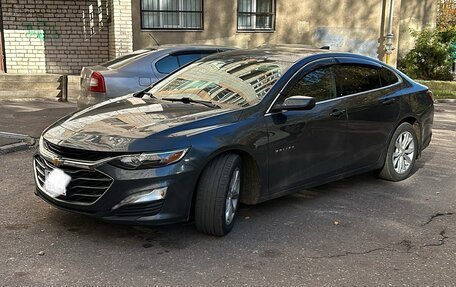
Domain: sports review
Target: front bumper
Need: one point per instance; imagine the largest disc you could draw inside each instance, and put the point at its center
(118, 184)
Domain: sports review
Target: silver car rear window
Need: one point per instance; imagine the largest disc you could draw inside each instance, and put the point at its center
(124, 60)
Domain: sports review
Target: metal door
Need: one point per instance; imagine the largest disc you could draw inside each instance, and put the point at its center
(306, 145)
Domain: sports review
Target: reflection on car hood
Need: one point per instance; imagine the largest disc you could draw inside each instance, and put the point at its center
(113, 125)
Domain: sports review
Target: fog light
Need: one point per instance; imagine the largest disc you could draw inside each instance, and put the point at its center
(143, 196)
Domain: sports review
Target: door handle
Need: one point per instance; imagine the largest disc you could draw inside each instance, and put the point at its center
(337, 113)
(389, 101)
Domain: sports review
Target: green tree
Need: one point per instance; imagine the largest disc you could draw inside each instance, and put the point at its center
(432, 56)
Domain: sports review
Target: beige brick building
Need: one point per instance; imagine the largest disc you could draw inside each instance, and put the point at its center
(61, 36)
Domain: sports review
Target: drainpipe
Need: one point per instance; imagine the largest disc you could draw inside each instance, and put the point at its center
(2, 43)
(389, 36)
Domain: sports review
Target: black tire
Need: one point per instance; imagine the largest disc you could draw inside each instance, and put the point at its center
(212, 192)
(388, 171)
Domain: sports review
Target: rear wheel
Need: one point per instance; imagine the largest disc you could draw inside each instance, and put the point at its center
(401, 154)
(217, 196)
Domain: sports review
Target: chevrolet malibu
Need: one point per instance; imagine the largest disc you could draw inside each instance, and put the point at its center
(237, 127)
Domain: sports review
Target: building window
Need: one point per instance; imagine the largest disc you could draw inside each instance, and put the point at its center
(100, 15)
(256, 15)
(91, 20)
(172, 14)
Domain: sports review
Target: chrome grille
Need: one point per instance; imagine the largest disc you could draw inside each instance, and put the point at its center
(79, 154)
(86, 186)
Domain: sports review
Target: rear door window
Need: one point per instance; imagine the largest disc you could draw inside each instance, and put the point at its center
(354, 79)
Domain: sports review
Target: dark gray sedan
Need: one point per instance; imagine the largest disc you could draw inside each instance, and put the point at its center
(242, 126)
(136, 71)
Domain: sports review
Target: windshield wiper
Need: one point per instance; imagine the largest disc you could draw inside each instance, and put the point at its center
(144, 92)
(187, 100)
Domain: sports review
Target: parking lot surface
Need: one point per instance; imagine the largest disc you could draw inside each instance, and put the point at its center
(361, 231)
(31, 117)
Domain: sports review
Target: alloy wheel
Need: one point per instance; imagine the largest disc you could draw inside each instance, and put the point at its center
(232, 196)
(404, 152)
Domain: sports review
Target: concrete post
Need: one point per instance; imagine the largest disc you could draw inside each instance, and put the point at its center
(63, 95)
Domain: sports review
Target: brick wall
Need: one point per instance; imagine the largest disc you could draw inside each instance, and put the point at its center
(120, 30)
(25, 54)
(51, 36)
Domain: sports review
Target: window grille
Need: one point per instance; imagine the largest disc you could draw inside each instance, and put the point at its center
(256, 15)
(172, 14)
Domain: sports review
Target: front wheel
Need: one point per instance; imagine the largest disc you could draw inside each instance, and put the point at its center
(401, 154)
(217, 195)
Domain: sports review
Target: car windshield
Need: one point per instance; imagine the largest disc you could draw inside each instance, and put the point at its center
(239, 80)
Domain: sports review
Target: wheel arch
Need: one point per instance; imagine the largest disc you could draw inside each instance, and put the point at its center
(412, 120)
(416, 124)
(388, 170)
(252, 186)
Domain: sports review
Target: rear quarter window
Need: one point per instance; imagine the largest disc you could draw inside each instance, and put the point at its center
(167, 65)
(388, 77)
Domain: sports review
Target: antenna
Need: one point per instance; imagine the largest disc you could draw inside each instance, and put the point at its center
(153, 38)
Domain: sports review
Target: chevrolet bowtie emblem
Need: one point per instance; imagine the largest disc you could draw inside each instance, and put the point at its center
(57, 161)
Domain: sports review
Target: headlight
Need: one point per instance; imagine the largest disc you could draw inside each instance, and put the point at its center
(149, 160)
(41, 144)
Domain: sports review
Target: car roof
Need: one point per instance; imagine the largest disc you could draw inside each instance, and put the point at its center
(290, 53)
(277, 53)
(172, 48)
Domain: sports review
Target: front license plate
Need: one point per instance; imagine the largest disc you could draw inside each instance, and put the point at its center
(46, 173)
(56, 182)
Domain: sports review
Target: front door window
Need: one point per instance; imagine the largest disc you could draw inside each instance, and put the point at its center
(318, 84)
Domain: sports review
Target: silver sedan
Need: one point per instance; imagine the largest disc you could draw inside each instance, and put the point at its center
(137, 70)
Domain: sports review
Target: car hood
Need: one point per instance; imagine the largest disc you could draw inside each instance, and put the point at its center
(127, 124)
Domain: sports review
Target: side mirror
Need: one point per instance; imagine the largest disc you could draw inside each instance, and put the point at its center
(296, 103)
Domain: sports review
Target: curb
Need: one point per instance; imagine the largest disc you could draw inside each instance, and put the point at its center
(14, 136)
(26, 142)
(14, 147)
(30, 99)
(442, 101)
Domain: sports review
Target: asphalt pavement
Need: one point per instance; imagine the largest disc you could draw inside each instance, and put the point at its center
(31, 117)
(21, 122)
(361, 231)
